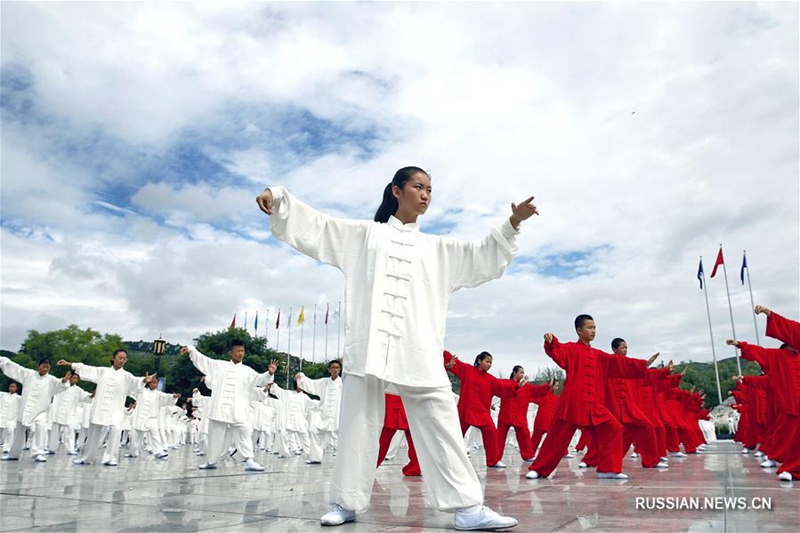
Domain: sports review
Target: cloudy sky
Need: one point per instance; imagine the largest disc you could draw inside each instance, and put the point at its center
(135, 137)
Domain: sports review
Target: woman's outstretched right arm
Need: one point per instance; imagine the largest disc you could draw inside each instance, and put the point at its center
(325, 238)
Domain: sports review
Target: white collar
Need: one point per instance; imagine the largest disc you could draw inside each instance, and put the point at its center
(398, 225)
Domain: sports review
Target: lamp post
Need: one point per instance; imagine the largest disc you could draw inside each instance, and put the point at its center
(159, 345)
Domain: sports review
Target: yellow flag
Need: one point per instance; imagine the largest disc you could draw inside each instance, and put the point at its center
(302, 317)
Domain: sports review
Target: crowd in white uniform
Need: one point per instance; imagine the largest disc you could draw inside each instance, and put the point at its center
(246, 412)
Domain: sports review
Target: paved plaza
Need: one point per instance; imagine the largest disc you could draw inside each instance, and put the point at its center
(148, 495)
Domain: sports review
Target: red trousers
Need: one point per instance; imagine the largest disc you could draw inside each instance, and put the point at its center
(536, 438)
(673, 442)
(412, 468)
(523, 440)
(643, 435)
(781, 439)
(489, 434)
(608, 436)
(791, 461)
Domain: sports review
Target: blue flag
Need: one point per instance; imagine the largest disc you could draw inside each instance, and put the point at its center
(700, 273)
(255, 324)
(744, 265)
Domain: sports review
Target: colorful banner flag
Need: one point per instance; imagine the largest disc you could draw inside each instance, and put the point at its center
(255, 324)
(744, 265)
(717, 263)
(278, 321)
(700, 273)
(302, 318)
(326, 312)
(233, 322)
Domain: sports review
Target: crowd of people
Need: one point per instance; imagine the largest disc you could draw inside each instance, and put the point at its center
(398, 283)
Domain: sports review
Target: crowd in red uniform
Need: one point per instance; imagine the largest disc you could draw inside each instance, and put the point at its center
(617, 401)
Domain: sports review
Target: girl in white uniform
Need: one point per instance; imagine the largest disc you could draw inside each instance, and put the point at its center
(398, 283)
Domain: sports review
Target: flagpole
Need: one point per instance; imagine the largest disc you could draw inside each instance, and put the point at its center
(752, 303)
(339, 329)
(278, 332)
(327, 310)
(245, 320)
(289, 350)
(710, 331)
(303, 323)
(730, 308)
(266, 328)
(314, 337)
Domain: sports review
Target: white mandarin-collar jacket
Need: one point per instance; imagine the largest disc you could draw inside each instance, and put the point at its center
(9, 409)
(65, 405)
(330, 394)
(295, 408)
(398, 283)
(37, 391)
(148, 408)
(232, 387)
(113, 386)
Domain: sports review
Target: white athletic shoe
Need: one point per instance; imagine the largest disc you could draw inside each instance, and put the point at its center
(40, 459)
(679, 454)
(758, 454)
(110, 462)
(533, 474)
(72, 452)
(483, 519)
(312, 462)
(337, 516)
(79, 461)
(612, 475)
(664, 459)
(162, 455)
(208, 466)
(7, 457)
(568, 456)
(498, 464)
(745, 451)
(662, 465)
(769, 463)
(252, 466)
(634, 455)
(785, 476)
(582, 465)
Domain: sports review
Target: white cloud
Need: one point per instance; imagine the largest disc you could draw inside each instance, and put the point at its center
(653, 131)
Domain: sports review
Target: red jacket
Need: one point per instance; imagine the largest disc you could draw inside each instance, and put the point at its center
(477, 389)
(547, 408)
(784, 330)
(587, 368)
(395, 414)
(783, 368)
(514, 409)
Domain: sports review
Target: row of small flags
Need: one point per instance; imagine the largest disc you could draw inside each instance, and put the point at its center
(301, 318)
(720, 261)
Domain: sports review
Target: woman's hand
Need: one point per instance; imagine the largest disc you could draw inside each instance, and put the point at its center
(265, 201)
(522, 211)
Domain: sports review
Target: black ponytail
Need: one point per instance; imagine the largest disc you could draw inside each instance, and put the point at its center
(389, 203)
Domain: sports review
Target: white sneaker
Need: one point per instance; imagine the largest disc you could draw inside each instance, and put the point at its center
(785, 476)
(79, 461)
(337, 516)
(252, 466)
(208, 466)
(582, 465)
(162, 455)
(758, 453)
(483, 519)
(312, 462)
(7, 457)
(533, 474)
(664, 459)
(568, 456)
(662, 465)
(40, 459)
(72, 452)
(745, 451)
(110, 462)
(769, 463)
(679, 454)
(634, 455)
(611, 475)
(498, 464)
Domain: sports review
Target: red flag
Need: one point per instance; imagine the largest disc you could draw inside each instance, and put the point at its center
(718, 263)
(278, 322)
(233, 322)
(326, 312)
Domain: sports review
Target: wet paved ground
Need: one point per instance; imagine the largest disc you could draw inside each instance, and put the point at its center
(149, 495)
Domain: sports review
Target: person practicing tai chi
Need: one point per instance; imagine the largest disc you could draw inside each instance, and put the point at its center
(330, 392)
(228, 410)
(581, 402)
(398, 282)
(114, 385)
(38, 389)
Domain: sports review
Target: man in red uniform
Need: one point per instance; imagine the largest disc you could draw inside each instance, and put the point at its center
(581, 402)
(621, 400)
(544, 415)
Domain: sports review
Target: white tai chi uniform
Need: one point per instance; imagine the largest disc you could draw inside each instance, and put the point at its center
(228, 408)
(37, 393)
(398, 283)
(9, 407)
(296, 406)
(108, 408)
(146, 420)
(65, 417)
(330, 394)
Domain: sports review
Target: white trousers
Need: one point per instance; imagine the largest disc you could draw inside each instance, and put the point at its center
(95, 438)
(61, 431)
(319, 441)
(39, 443)
(450, 480)
(222, 434)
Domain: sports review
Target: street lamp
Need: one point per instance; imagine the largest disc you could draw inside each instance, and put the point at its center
(159, 346)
